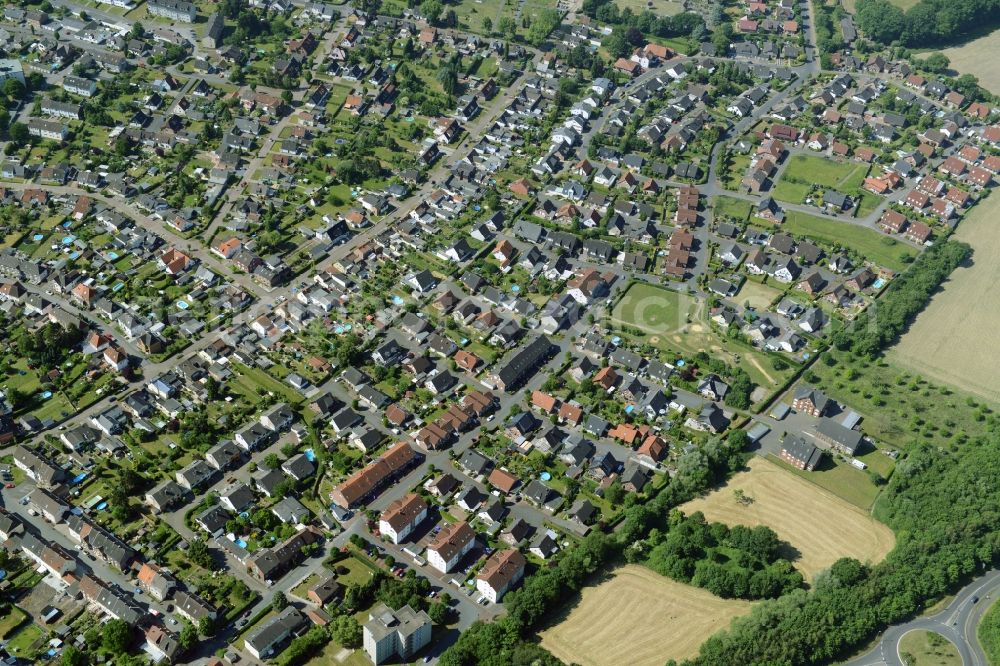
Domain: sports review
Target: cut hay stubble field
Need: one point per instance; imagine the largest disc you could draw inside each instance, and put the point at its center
(819, 525)
(954, 340)
(979, 57)
(640, 618)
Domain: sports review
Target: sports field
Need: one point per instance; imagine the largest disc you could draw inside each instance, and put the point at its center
(819, 525)
(676, 323)
(978, 57)
(954, 340)
(640, 618)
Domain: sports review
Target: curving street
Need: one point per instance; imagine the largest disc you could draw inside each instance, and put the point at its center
(957, 622)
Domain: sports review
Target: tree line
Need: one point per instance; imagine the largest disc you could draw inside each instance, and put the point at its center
(882, 324)
(927, 23)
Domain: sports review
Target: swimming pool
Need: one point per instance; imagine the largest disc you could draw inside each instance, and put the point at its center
(46, 395)
(310, 455)
(182, 305)
(545, 476)
(240, 542)
(38, 237)
(67, 240)
(878, 283)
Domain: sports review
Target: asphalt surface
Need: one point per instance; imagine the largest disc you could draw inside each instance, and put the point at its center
(957, 622)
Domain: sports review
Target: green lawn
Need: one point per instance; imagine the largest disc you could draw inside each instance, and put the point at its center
(253, 378)
(358, 571)
(759, 296)
(732, 208)
(21, 644)
(989, 633)
(11, 621)
(805, 171)
(927, 648)
(873, 245)
(824, 171)
(655, 309)
(846, 482)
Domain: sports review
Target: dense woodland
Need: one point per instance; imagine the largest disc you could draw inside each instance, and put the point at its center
(738, 562)
(926, 24)
(882, 323)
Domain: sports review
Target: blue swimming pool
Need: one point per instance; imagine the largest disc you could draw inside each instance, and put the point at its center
(46, 395)
(182, 305)
(310, 455)
(78, 478)
(878, 283)
(38, 237)
(545, 476)
(240, 542)
(102, 506)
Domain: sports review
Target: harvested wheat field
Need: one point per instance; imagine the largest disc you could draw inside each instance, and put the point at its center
(640, 618)
(819, 525)
(954, 340)
(978, 57)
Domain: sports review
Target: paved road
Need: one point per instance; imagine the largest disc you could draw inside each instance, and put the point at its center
(957, 622)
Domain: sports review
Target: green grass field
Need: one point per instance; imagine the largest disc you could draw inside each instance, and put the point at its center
(11, 621)
(989, 633)
(804, 171)
(731, 208)
(873, 245)
(21, 644)
(759, 296)
(848, 483)
(927, 648)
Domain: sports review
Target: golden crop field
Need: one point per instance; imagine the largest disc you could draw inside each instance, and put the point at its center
(978, 57)
(819, 525)
(954, 339)
(640, 618)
